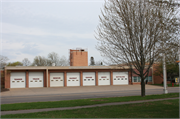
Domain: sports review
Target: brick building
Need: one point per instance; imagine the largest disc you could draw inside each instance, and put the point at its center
(78, 57)
(77, 74)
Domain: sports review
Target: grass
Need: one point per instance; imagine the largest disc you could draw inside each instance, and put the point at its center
(169, 85)
(80, 102)
(157, 109)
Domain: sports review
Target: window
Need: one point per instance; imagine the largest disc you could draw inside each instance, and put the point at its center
(150, 79)
(139, 79)
(114, 78)
(134, 79)
(84, 79)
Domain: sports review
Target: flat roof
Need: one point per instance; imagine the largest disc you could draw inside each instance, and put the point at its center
(62, 67)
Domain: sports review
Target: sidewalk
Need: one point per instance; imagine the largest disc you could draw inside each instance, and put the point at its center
(79, 107)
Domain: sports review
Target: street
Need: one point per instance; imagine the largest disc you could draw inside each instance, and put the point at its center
(114, 91)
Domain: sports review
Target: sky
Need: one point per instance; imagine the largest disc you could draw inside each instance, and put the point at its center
(32, 28)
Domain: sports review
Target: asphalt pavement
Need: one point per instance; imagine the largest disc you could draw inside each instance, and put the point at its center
(71, 93)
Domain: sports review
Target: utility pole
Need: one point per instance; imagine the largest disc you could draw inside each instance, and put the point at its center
(164, 61)
(164, 74)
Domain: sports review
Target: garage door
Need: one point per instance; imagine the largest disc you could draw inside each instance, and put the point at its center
(73, 79)
(104, 78)
(120, 78)
(17, 80)
(88, 78)
(36, 79)
(56, 79)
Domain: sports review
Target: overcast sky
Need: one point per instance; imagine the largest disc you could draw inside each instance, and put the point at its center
(37, 27)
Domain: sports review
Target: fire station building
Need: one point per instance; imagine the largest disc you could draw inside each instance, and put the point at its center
(77, 74)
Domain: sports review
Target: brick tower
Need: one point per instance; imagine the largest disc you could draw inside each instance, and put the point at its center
(78, 57)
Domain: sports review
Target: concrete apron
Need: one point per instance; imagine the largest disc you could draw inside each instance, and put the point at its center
(78, 89)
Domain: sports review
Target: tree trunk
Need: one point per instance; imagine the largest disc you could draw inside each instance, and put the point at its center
(142, 88)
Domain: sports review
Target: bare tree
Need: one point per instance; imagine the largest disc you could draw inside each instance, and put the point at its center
(63, 61)
(3, 61)
(26, 62)
(130, 32)
(40, 61)
(54, 58)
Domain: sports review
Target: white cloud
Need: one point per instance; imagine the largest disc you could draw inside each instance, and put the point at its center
(14, 29)
(38, 28)
(10, 46)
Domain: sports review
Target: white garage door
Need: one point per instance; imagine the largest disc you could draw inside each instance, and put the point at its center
(73, 79)
(88, 78)
(56, 79)
(36, 79)
(104, 78)
(18, 80)
(120, 78)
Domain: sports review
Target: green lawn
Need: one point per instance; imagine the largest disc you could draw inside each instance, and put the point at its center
(80, 102)
(169, 85)
(157, 109)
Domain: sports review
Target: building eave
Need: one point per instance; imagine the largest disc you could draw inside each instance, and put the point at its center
(61, 67)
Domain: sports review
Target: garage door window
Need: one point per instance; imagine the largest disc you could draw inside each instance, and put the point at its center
(149, 79)
(138, 79)
(134, 79)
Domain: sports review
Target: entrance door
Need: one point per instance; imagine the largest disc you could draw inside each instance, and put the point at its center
(88, 78)
(17, 80)
(73, 79)
(120, 78)
(56, 79)
(104, 78)
(36, 79)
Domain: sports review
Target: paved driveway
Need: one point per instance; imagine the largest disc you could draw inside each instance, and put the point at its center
(71, 93)
(79, 89)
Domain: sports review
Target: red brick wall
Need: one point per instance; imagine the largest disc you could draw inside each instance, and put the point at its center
(157, 79)
(7, 79)
(78, 58)
(150, 72)
(2, 80)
